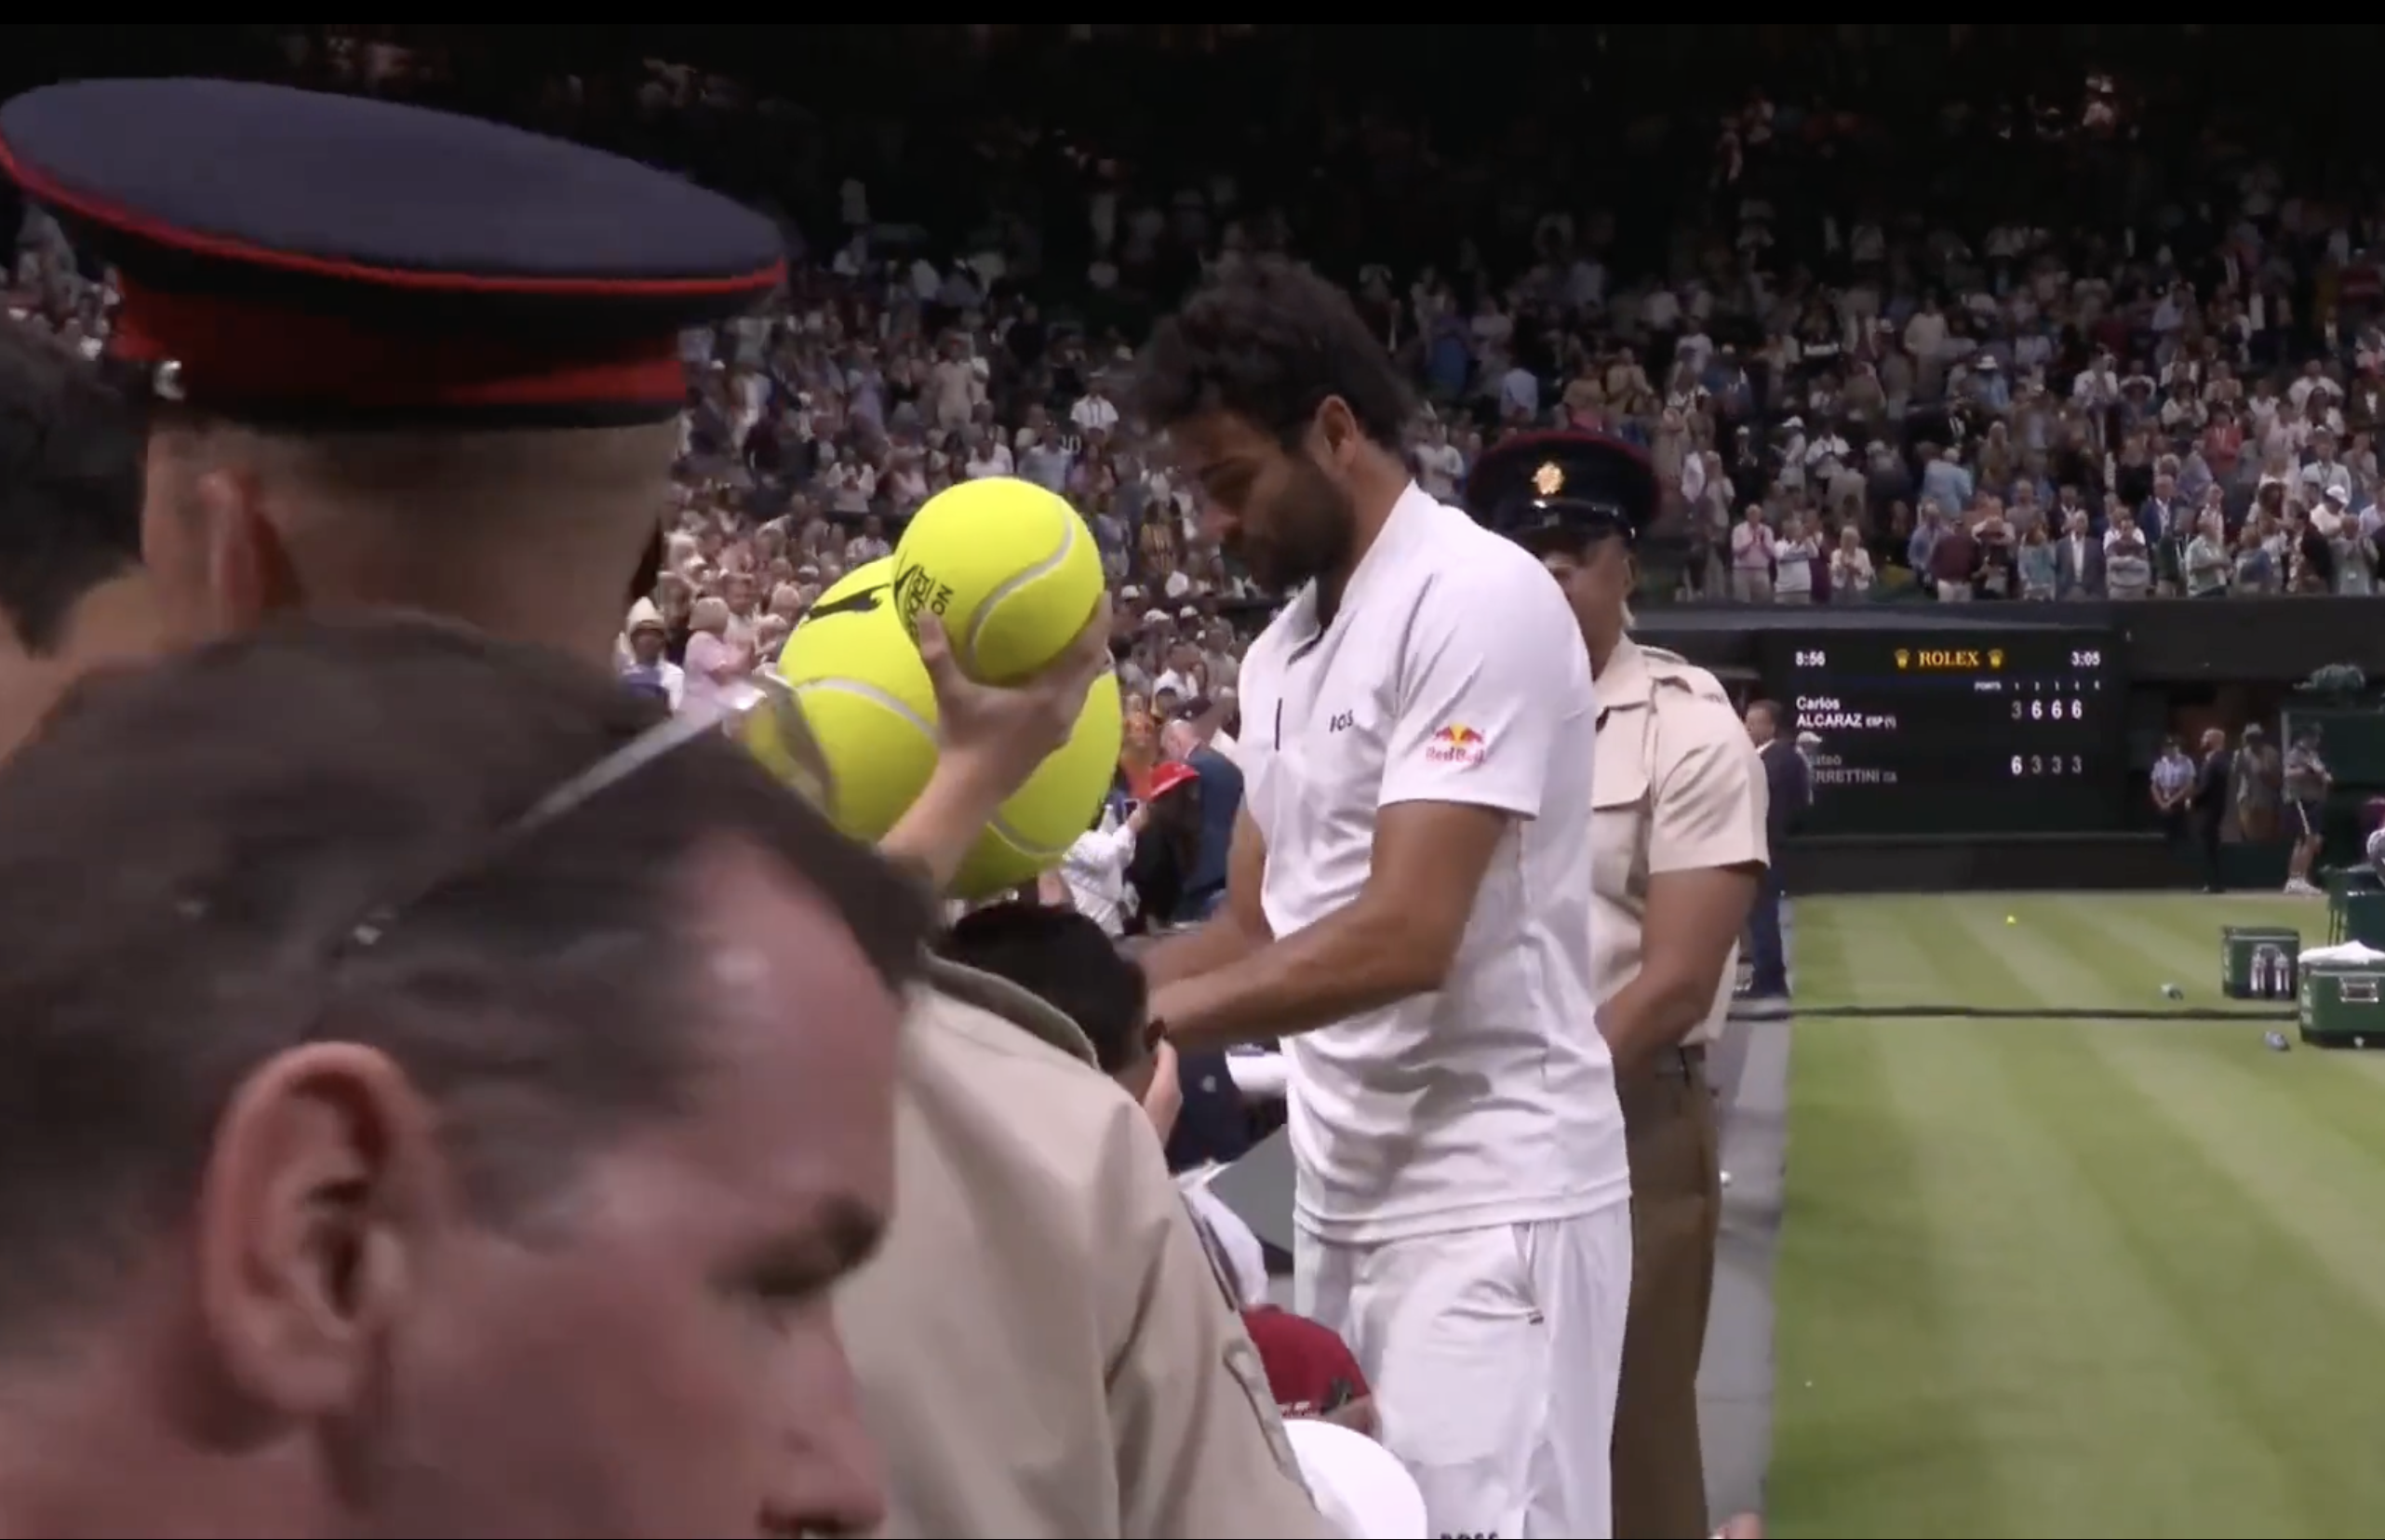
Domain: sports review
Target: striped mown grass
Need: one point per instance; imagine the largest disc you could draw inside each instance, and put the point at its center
(2067, 1278)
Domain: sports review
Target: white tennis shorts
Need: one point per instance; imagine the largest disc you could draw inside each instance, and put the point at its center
(1494, 1356)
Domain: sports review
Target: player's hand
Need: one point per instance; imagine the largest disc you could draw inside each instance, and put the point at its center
(999, 733)
(1164, 1101)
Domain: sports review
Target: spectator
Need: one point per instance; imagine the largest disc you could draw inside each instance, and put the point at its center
(2079, 559)
(1095, 866)
(1794, 558)
(712, 659)
(2128, 562)
(1752, 557)
(2208, 568)
(1954, 561)
(646, 669)
(1138, 756)
(2037, 565)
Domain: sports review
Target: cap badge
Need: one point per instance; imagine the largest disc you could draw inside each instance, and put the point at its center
(1550, 479)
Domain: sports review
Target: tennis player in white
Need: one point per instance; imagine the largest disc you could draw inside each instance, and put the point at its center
(1409, 906)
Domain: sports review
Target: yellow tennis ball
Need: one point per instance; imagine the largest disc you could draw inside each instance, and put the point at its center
(1010, 570)
(1035, 828)
(866, 696)
(867, 700)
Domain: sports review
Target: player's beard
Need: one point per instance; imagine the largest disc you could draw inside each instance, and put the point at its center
(1305, 533)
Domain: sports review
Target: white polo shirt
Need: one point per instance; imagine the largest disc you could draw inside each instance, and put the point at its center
(1454, 672)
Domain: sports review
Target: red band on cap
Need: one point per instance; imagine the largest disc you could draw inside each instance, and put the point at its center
(230, 353)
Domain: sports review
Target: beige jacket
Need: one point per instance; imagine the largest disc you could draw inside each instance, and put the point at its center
(1677, 787)
(1042, 1344)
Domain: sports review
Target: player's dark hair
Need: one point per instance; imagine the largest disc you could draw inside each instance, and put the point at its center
(187, 852)
(1061, 958)
(1268, 341)
(71, 451)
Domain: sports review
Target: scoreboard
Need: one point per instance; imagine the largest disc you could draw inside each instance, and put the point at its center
(1927, 731)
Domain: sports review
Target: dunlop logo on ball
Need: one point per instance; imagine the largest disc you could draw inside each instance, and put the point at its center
(916, 589)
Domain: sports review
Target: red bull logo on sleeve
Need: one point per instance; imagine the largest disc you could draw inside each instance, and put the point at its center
(1457, 745)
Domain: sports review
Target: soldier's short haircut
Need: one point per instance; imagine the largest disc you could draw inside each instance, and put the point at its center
(193, 855)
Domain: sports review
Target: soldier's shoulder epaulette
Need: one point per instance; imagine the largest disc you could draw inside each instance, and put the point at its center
(1670, 668)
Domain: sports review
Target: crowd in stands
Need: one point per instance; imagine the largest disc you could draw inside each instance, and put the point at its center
(2097, 350)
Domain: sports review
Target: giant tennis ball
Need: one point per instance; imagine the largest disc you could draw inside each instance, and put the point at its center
(1010, 570)
(1034, 829)
(866, 699)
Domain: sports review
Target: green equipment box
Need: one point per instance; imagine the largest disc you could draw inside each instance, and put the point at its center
(2343, 1004)
(2257, 962)
(2356, 907)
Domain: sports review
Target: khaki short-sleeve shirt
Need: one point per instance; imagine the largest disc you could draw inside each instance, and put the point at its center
(1678, 787)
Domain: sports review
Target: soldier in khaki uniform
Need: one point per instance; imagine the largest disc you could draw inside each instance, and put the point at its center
(1678, 826)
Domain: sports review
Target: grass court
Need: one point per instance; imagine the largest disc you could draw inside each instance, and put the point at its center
(2069, 1277)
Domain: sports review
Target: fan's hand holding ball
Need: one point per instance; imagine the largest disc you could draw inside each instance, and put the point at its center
(1005, 731)
(1007, 568)
(883, 709)
(1055, 737)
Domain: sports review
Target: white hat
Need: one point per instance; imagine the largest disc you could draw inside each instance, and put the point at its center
(644, 616)
(1361, 1488)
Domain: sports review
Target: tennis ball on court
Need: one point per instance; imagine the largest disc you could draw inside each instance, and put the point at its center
(867, 700)
(2010, 920)
(1010, 570)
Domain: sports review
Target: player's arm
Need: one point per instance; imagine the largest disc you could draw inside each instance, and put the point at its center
(1237, 930)
(1706, 854)
(1443, 808)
